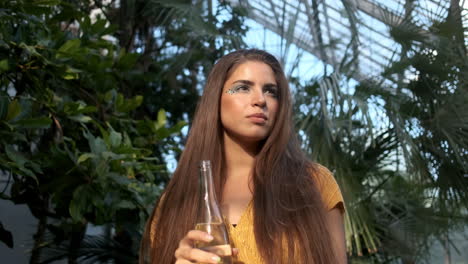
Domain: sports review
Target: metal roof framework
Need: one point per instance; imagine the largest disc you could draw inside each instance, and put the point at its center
(331, 29)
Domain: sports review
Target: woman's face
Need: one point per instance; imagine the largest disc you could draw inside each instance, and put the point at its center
(249, 102)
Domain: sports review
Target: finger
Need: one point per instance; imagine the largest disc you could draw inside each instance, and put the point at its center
(235, 252)
(197, 255)
(197, 235)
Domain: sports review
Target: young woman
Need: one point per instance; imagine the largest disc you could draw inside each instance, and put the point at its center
(279, 206)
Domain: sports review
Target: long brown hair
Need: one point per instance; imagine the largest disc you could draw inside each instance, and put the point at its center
(289, 216)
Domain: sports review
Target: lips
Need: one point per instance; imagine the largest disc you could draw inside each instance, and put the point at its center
(259, 115)
(258, 118)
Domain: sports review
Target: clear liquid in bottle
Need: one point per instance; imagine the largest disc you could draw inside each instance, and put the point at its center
(209, 217)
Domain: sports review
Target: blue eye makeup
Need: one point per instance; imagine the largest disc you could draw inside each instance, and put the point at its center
(237, 89)
(269, 89)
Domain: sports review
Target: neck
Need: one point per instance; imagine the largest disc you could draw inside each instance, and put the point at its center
(240, 156)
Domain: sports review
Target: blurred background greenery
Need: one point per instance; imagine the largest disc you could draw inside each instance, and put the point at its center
(96, 98)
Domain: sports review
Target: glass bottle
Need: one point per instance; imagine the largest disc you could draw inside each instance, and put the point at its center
(209, 217)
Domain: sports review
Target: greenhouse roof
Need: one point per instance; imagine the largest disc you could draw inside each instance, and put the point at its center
(332, 30)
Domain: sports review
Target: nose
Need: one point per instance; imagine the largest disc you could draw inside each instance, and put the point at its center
(258, 99)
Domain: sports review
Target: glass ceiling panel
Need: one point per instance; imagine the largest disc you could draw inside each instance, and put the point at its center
(323, 28)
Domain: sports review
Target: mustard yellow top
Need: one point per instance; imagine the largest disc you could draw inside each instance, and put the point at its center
(242, 236)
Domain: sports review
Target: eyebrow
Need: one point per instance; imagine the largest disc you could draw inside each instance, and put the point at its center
(247, 82)
(243, 82)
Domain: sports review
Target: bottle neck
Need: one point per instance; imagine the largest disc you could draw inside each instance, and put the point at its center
(209, 211)
(206, 184)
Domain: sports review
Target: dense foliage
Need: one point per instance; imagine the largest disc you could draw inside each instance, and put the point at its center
(90, 105)
(94, 96)
(398, 145)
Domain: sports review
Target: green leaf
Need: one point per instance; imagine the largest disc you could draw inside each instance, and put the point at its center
(140, 141)
(14, 108)
(135, 102)
(102, 168)
(178, 127)
(108, 155)
(115, 138)
(75, 210)
(109, 30)
(87, 109)
(68, 47)
(125, 204)
(97, 145)
(109, 95)
(4, 65)
(20, 161)
(84, 157)
(76, 108)
(127, 142)
(17, 157)
(82, 201)
(71, 74)
(162, 133)
(99, 26)
(119, 103)
(161, 122)
(12, 136)
(127, 60)
(81, 118)
(128, 105)
(30, 49)
(41, 122)
(29, 173)
(119, 179)
(36, 167)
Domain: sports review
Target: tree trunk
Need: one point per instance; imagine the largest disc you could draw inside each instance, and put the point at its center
(39, 236)
(77, 236)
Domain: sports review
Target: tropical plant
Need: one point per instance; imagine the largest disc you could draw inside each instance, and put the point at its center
(397, 146)
(398, 152)
(84, 137)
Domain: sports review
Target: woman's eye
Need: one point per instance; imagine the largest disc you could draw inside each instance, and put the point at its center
(242, 88)
(238, 89)
(271, 91)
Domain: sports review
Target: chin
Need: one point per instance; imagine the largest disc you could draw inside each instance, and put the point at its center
(248, 137)
(255, 138)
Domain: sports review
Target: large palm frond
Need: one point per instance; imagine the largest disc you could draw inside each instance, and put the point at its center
(389, 133)
(94, 249)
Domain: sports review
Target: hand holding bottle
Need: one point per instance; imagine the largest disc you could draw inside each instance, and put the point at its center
(187, 253)
(209, 242)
